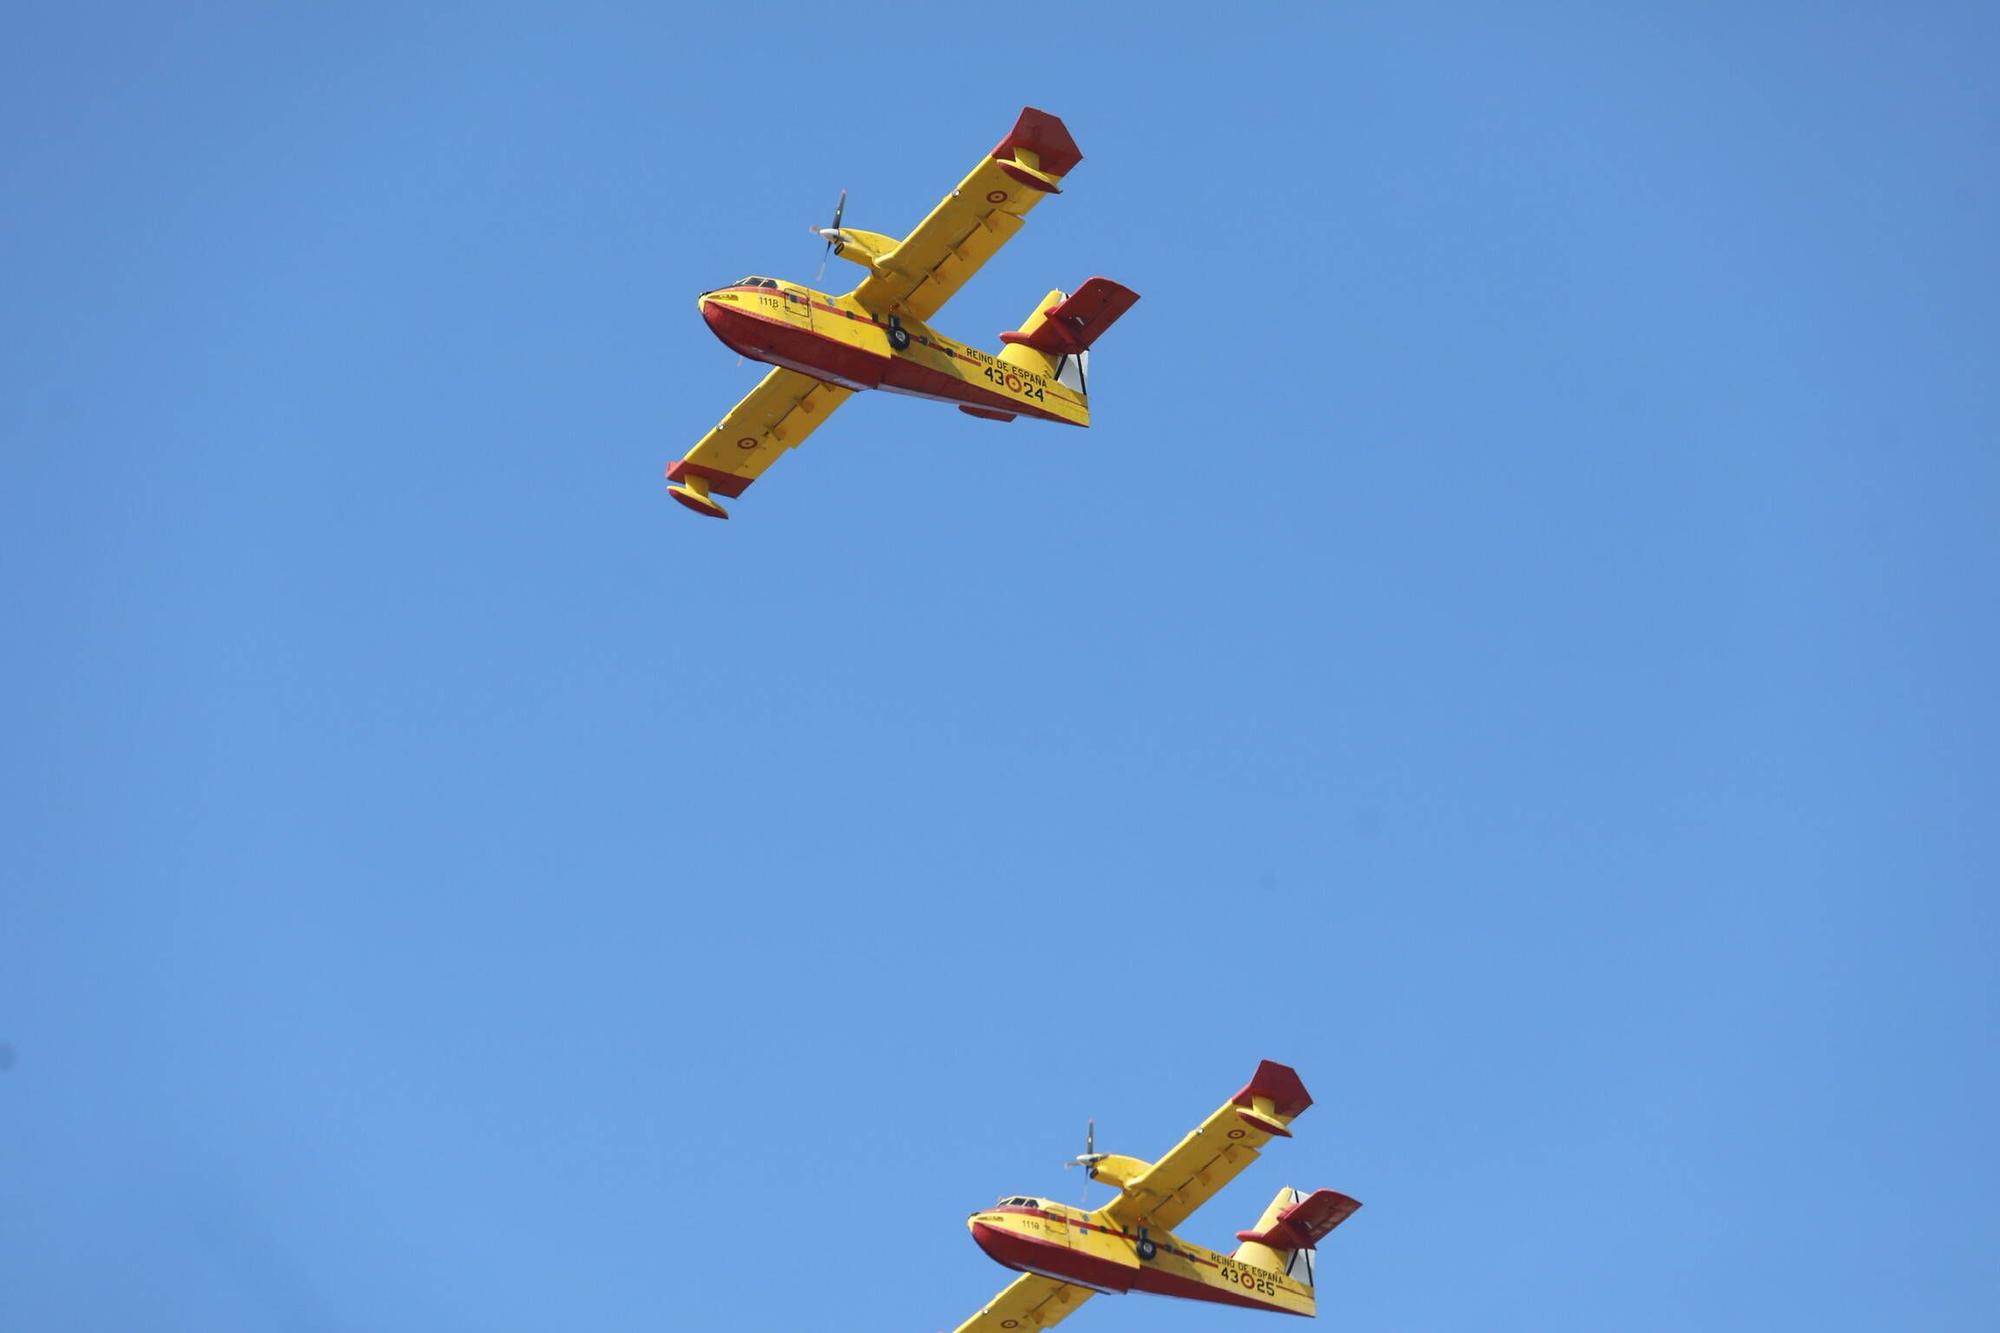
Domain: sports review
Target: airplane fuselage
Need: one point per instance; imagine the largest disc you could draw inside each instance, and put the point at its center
(834, 338)
(1072, 1245)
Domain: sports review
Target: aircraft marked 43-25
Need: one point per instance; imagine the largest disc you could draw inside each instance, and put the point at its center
(1066, 1254)
(825, 348)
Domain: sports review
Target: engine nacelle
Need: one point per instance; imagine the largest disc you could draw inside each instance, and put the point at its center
(866, 248)
(1120, 1171)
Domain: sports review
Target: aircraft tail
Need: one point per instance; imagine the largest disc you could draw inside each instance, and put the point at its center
(1284, 1237)
(1055, 339)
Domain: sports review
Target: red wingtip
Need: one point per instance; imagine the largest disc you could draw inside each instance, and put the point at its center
(1046, 137)
(726, 484)
(1281, 1084)
(707, 508)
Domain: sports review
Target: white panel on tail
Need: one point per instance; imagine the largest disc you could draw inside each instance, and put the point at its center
(1299, 1266)
(1074, 371)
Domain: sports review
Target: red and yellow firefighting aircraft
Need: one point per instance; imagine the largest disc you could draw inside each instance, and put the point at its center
(876, 336)
(1065, 1253)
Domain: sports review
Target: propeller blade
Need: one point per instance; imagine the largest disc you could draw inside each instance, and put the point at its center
(1088, 1161)
(1089, 1151)
(832, 235)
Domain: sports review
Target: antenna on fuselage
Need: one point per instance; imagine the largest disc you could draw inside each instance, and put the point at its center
(1088, 1161)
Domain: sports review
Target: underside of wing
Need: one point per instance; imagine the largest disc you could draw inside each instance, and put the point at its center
(970, 225)
(782, 410)
(1029, 1302)
(1165, 1193)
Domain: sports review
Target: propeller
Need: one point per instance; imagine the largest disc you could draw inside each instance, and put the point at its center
(835, 241)
(1088, 1160)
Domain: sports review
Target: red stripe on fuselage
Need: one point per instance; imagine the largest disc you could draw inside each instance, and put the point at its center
(1028, 1254)
(781, 343)
(1083, 1224)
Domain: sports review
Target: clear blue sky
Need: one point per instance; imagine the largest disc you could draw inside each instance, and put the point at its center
(1519, 644)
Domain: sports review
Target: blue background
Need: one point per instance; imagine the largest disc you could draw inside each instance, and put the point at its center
(1518, 644)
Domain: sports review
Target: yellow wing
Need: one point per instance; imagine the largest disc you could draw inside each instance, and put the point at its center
(970, 225)
(783, 409)
(1165, 1193)
(1029, 1302)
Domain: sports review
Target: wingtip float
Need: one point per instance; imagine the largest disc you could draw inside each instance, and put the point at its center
(1066, 1254)
(824, 348)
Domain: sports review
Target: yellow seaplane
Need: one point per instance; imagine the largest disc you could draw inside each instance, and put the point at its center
(824, 348)
(1066, 1253)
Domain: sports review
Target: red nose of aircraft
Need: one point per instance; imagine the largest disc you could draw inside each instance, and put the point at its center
(1002, 1238)
(729, 324)
(989, 1238)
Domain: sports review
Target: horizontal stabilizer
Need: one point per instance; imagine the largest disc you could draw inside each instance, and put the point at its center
(1074, 323)
(1305, 1223)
